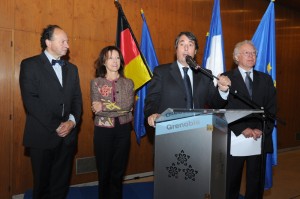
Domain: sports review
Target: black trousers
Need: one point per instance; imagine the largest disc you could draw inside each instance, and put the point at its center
(52, 170)
(253, 176)
(111, 147)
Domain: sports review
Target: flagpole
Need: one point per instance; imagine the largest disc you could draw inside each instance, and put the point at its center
(118, 5)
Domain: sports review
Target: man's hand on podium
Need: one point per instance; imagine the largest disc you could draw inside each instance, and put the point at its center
(152, 118)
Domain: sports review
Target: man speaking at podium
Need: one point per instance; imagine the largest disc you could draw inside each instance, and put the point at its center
(176, 85)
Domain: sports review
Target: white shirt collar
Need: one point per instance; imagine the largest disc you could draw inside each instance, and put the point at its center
(49, 56)
(243, 72)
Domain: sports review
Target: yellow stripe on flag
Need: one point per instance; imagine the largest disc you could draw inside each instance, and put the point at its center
(139, 75)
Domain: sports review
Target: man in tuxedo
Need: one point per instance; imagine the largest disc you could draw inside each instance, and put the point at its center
(52, 99)
(259, 87)
(168, 89)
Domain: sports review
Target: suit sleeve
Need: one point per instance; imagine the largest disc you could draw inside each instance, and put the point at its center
(29, 85)
(215, 101)
(153, 94)
(271, 104)
(76, 107)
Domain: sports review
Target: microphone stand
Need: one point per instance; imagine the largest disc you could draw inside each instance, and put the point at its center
(264, 117)
(191, 62)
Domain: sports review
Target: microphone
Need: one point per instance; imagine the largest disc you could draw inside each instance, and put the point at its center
(192, 63)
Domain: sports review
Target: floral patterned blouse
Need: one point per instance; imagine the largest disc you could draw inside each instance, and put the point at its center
(117, 99)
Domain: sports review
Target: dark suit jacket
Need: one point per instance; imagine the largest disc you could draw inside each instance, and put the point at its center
(47, 103)
(166, 90)
(263, 94)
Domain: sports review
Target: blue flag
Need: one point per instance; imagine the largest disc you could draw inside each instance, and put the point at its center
(148, 51)
(213, 57)
(264, 41)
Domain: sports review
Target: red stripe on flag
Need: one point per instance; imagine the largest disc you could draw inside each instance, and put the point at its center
(128, 46)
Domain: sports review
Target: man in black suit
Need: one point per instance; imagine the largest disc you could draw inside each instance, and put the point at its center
(52, 99)
(263, 93)
(167, 88)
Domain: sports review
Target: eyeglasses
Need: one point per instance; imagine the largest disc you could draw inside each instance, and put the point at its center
(248, 54)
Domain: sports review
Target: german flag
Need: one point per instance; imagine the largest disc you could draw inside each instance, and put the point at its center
(135, 64)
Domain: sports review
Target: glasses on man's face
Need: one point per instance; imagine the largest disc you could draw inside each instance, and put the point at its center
(248, 54)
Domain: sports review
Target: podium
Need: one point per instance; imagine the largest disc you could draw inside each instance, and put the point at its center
(191, 152)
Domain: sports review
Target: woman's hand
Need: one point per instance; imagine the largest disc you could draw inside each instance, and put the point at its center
(97, 107)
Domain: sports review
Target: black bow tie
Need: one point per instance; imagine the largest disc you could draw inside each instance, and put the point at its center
(58, 61)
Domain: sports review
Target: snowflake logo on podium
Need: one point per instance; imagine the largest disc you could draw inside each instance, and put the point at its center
(173, 171)
(182, 162)
(182, 158)
(190, 173)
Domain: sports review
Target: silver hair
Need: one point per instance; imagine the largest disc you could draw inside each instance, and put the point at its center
(236, 50)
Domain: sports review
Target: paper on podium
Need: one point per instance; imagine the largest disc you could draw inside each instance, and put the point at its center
(241, 146)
